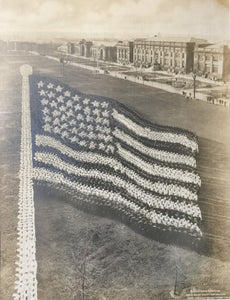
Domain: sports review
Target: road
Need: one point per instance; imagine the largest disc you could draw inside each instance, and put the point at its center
(129, 264)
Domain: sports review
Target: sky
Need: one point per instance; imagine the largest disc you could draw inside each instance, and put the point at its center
(117, 18)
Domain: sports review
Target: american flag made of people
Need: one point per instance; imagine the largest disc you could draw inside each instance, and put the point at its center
(107, 156)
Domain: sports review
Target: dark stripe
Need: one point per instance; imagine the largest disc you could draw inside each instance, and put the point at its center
(98, 205)
(109, 186)
(159, 145)
(135, 117)
(152, 160)
(109, 170)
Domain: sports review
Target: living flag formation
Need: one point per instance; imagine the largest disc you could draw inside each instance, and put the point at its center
(107, 156)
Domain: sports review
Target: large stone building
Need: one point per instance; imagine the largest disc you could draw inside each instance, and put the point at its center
(212, 61)
(106, 51)
(170, 54)
(85, 48)
(124, 52)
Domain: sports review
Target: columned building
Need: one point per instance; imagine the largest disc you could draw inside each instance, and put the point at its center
(106, 52)
(124, 52)
(213, 61)
(85, 48)
(172, 55)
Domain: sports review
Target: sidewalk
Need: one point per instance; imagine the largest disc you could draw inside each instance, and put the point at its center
(162, 86)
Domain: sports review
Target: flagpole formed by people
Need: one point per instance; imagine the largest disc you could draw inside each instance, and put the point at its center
(26, 283)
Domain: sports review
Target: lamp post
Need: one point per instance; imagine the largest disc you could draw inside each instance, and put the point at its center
(63, 62)
(194, 85)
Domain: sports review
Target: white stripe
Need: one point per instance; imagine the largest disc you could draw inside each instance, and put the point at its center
(156, 170)
(131, 189)
(26, 284)
(155, 134)
(116, 199)
(162, 155)
(91, 157)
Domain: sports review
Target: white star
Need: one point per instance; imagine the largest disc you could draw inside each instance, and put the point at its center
(101, 146)
(56, 121)
(45, 111)
(67, 93)
(95, 103)
(98, 120)
(76, 98)
(63, 117)
(60, 99)
(86, 101)
(99, 128)
(64, 134)
(47, 127)
(59, 88)
(82, 143)
(56, 113)
(40, 84)
(62, 108)
(56, 130)
(111, 148)
(87, 110)
(91, 136)
(51, 94)
(90, 127)
(47, 119)
(42, 93)
(96, 111)
(105, 122)
(70, 113)
(82, 134)
(77, 107)
(64, 126)
(105, 114)
(69, 103)
(73, 122)
(74, 139)
(107, 130)
(80, 117)
(74, 130)
(89, 119)
(104, 104)
(81, 125)
(100, 136)
(53, 104)
(108, 138)
(92, 145)
(50, 86)
(44, 101)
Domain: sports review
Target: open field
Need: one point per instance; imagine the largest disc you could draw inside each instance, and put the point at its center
(121, 263)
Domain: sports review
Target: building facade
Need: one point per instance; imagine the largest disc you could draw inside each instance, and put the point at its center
(124, 52)
(212, 61)
(85, 48)
(104, 52)
(175, 56)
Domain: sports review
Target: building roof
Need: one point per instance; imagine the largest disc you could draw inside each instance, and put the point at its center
(123, 43)
(215, 46)
(104, 43)
(177, 39)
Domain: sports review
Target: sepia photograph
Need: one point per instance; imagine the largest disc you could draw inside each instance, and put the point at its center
(114, 149)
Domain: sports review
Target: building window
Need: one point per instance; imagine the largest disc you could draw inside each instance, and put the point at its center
(215, 57)
(183, 55)
(215, 69)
